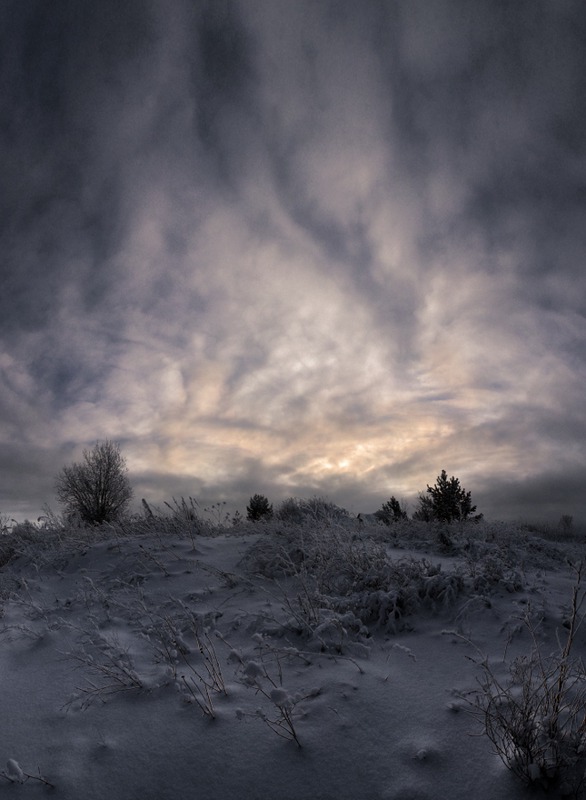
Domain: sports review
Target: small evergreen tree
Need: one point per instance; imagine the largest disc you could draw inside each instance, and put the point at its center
(391, 511)
(258, 508)
(446, 501)
(424, 512)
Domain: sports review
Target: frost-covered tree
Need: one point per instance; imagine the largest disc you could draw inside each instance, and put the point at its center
(446, 501)
(97, 489)
(391, 511)
(258, 508)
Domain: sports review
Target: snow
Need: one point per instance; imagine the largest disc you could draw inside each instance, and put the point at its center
(166, 665)
(14, 771)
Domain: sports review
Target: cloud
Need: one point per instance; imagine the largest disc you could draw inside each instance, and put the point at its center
(294, 248)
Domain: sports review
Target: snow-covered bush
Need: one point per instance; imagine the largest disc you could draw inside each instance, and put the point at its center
(492, 565)
(405, 587)
(6, 553)
(536, 715)
(182, 517)
(111, 665)
(185, 645)
(333, 554)
(262, 671)
(48, 539)
(5, 523)
(279, 551)
(338, 573)
(316, 509)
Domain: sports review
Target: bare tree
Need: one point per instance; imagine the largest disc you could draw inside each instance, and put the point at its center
(97, 489)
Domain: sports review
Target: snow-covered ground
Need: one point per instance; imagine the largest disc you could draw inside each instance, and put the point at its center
(325, 661)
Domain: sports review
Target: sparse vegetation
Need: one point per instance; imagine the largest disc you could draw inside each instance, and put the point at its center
(566, 523)
(298, 625)
(5, 523)
(536, 716)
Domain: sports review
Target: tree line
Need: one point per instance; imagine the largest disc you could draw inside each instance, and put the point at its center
(97, 490)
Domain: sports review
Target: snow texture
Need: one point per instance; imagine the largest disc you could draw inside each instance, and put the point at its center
(296, 662)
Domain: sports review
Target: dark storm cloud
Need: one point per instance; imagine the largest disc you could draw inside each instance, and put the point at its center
(486, 92)
(55, 224)
(221, 72)
(544, 497)
(29, 467)
(299, 247)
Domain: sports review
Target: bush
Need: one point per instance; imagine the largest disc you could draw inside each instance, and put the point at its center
(315, 509)
(535, 718)
(96, 490)
(290, 511)
(343, 575)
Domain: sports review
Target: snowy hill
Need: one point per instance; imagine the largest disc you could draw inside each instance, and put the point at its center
(328, 660)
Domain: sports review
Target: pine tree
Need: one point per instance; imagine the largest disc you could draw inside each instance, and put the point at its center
(391, 511)
(446, 501)
(424, 513)
(258, 508)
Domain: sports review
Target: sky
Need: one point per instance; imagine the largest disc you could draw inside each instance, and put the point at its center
(295, 247)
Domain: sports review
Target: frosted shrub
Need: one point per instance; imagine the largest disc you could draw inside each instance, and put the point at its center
(181, 517)
(280, 551)
(50, 539)
(6, 553)
(336, 560)
(493, 565)
(205, 680)
(536, 716)
(493, 571)
(111, 665)
(411, 585)
(338, 573)
(347, 564)
(315, 509)
(263, 673)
